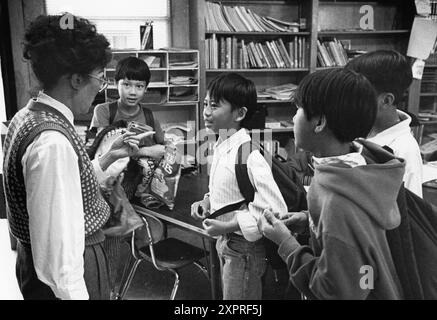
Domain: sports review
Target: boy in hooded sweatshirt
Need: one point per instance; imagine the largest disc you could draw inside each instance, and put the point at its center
(352, 197)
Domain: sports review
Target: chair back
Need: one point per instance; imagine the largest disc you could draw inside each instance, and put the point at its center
(152, 231)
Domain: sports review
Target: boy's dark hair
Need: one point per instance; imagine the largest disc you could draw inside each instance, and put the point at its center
(344, 97)
(387, 70)
(132, 68)
(238, 91)
(54, 51)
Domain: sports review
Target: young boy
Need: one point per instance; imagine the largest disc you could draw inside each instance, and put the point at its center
(390, 74)
(229, 104)
(132, 76)
(351, 200)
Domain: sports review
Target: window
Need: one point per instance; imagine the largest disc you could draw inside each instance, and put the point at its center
(119, 20)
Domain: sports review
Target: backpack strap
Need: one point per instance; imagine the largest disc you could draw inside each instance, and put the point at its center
(243, 181)
(112, 111)
(148, 115)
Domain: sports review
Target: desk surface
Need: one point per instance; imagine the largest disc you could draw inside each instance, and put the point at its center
(191, 188)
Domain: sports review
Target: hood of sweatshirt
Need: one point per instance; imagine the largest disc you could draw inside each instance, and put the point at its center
(373, 187)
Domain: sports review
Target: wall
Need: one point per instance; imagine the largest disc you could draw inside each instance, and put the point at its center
(180, 31)
(21, 13)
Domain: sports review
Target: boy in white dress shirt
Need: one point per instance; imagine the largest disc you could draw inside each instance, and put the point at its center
(390, 74)
(228, 107)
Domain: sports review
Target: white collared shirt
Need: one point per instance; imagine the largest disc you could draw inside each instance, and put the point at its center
(223, 187)
(55, 207)
(352, 159)
(400, 139)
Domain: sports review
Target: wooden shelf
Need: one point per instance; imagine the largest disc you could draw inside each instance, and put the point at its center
(179, 68)
(151, 69)
(364, 32)
(257, 33)
(275, 130)
(427, 122)
(326, 68)
(259, 70)
(182, 85)
(273, 101)
(428, 94)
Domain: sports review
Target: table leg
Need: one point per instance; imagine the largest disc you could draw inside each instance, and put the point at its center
(215, 276)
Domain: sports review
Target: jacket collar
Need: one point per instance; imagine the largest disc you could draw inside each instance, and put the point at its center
(233, 140)
(59, 106)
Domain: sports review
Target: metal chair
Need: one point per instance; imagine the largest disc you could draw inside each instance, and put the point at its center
(166, 254)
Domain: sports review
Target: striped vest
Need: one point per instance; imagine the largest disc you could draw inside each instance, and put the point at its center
(23, 129)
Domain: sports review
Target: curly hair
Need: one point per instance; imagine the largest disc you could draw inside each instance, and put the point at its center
(55, 51)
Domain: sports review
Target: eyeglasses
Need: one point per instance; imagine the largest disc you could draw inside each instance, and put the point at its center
(103, 82)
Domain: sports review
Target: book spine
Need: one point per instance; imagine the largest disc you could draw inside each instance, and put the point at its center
(255, 54)
(275, 57)
(222, 53)
(264, 54)
(234, 52)
(284, 53)
(228, 53)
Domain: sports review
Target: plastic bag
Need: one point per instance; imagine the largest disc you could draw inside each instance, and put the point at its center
(164, 184)
(123, 219)
(147, 167)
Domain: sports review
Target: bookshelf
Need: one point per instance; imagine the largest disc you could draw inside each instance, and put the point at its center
(342, 22)
(273, 57)
(174, 76)
(315, 20)
(424, 93)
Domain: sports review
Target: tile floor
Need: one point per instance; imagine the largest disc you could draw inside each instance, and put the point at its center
(148, 284)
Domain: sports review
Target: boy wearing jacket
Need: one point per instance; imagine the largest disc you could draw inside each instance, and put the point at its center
(351, 200)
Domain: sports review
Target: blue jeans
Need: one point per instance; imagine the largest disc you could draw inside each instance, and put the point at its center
(242, 265)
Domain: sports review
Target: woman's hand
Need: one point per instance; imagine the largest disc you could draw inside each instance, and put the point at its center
(125, 146)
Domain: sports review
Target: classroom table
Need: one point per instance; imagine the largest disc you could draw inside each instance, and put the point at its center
(191, 188)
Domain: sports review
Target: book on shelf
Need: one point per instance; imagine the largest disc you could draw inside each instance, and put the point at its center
(183, 64)
(182, 80)
(233, 53)
(219, 17)
(427, 116)
(146, 35)
(332, 53)
(281, 92)
(272, 123)
(152, 61)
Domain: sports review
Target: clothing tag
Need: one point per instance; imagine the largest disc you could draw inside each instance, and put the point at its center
(417, 69)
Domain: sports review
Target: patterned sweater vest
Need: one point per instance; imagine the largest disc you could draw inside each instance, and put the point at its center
(23, 129)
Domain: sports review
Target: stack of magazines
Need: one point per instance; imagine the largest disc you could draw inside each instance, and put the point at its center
(182, 80)
(282, 92)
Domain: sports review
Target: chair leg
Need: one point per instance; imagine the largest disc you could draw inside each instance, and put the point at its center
(176, 284)
(123, 276)
(125, 286)
(202, 268)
